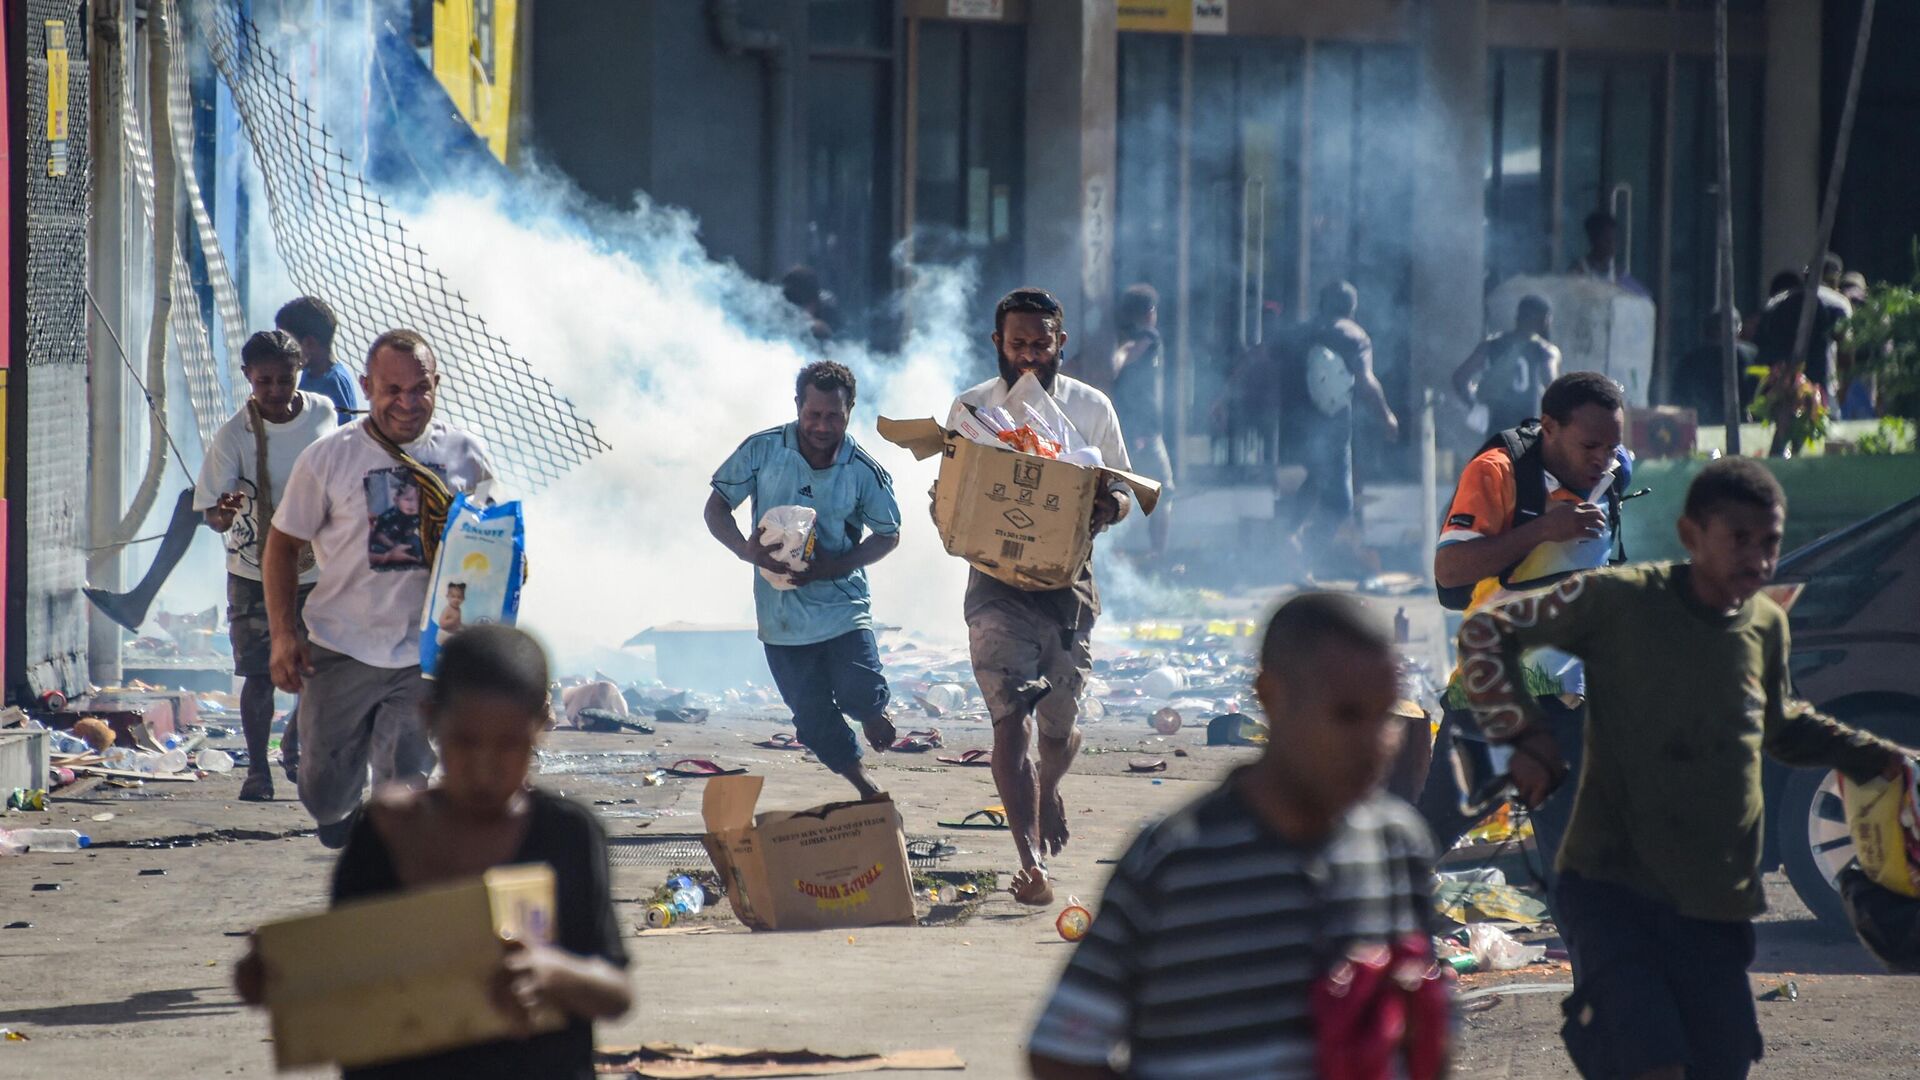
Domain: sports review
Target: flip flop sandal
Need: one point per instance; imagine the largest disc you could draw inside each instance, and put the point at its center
(781, 741)
(699, 769)
(914, 744)
(1146, 765)
(987, 818)
(970, 757)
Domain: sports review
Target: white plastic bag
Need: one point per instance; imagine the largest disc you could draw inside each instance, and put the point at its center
(1036, 407)
(1496, 950)
(789, 531)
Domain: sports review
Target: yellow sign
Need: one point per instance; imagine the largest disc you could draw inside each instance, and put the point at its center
(1174, 16)
(473, 57)
(57, 76)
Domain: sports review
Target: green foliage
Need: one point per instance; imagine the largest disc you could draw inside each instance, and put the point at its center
(1893, 436)
(1884, 334)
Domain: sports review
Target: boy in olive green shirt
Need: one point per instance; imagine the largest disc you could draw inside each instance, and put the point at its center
(1687, 683)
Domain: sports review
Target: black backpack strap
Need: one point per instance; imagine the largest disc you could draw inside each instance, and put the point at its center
(1522, 447)
(1616, 498)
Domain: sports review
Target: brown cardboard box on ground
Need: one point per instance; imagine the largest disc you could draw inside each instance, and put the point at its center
(1020, 518)
(397, 977)
(831, 867)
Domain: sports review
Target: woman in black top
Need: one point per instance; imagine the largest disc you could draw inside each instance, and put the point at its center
(488, 705)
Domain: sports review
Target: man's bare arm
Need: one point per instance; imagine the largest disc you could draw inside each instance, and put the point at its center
(1467, 375)
(280, 581)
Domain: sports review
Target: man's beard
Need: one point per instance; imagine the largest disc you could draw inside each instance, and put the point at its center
(1010, 374)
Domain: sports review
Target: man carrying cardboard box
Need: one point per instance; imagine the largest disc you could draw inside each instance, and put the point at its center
(1030, 648)
(818, 632)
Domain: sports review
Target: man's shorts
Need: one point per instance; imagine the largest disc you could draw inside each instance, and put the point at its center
(1025, 662)
(247, 625)
(1653, 988)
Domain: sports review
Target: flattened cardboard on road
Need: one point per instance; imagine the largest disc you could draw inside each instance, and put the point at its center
(831, 867)
(1019, 518)
(661, 1061)
(381, 980)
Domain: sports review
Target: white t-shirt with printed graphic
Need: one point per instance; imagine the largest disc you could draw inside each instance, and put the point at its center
(231, 462)
(359, 507)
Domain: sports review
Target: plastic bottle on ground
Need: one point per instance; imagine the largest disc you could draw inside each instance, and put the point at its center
(119, 757)
(214, 761)
(49, 839)
(173, 761)
(687, 898)
(62, 743)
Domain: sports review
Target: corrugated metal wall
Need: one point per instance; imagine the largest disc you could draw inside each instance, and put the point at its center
(56, 376)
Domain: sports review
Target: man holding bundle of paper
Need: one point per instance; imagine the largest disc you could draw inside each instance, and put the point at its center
(1030, 648)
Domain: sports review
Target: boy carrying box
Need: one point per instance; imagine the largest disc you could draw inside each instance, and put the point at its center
(1687, 682)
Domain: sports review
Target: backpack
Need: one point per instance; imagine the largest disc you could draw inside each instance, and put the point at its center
(1522, 447)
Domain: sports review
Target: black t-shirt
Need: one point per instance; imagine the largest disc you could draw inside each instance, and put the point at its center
(565, 836)
(1139, 392)
(1780, 321)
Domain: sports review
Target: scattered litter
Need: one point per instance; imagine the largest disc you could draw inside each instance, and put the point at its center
(1074, 921)
(1471, 902)
(976, 757)
(104, 815)
(1146, 765)
(1786, 991)
(1496, 950)
(19, 926)
(46, 886)
(153, 873)
(700, 1061)
(647, 930)
(11, 1035)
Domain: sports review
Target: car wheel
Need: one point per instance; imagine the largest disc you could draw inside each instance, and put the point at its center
(1814, 842)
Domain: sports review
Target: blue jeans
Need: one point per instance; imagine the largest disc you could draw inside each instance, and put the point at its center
(1440, 800)
(826, 682)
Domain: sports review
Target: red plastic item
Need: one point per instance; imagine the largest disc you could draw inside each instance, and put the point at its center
(1381, 1005)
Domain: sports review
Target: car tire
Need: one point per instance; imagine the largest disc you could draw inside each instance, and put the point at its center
(1814, 843)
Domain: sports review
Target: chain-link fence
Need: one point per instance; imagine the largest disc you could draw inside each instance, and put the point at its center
(341, 242)
(56, 362)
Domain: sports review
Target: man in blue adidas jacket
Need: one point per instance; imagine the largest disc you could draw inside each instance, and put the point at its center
(818, 635)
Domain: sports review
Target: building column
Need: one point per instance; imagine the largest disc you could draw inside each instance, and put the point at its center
(1072, 94)
(1790, 169)
(1449, 206)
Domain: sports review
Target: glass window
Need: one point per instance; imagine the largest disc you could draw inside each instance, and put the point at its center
(850, 187)
(1615, 116)
(970, 155)
(1519, 188)
(850, 24)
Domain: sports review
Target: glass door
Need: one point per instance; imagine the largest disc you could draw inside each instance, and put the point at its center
(1244, 244)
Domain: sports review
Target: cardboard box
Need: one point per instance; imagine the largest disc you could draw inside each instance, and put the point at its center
(396, 977)
(832, 867)
(1018, 518)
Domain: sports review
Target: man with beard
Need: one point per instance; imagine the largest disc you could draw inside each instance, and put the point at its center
(1030, 649)
(357, 669)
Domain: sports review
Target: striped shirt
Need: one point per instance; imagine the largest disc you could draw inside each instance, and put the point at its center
(1213, 931)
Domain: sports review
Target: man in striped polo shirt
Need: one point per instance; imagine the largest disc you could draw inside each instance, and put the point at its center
(1211, 952)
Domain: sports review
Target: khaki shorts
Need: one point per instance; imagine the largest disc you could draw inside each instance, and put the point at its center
(1025, 663)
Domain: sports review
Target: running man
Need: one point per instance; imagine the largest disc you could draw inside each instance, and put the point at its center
(1030, 649)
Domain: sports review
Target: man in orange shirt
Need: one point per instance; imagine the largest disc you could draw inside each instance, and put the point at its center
(1540, 502)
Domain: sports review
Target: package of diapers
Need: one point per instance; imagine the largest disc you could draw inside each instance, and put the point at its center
(477, 574)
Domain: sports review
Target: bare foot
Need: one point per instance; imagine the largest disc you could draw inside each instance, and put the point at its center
(880, 732)
(1053, 831)
(1053, 824)
(862, 782)
(1031, 887)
